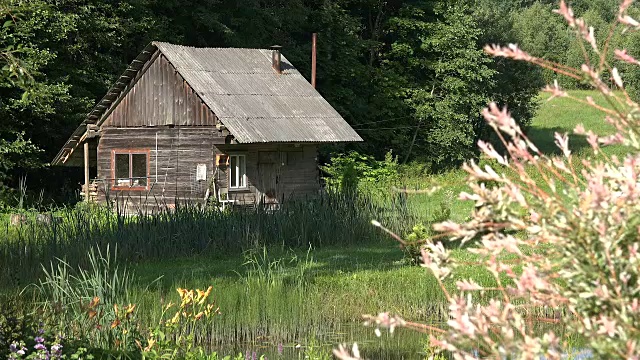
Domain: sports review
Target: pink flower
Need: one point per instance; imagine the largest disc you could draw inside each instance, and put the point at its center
(562, 141)
(567, 13)
(628, 20)
(622, 55)
(624, 6)
(511, 51)
(468, 285)
(607, 326)
(555, 91)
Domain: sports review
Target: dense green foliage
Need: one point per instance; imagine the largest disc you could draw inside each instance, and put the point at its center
(410, 75)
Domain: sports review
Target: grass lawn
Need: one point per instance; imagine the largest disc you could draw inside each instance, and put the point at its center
(561, 115)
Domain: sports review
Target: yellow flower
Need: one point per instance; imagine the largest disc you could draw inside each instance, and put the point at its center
(176, 317)
(204, 295)
(129, 309)
(151, 343)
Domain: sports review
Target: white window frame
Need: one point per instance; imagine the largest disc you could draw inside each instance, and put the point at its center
(241, 171)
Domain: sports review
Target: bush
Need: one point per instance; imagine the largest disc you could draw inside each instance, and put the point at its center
(352, 170)
(422, 232)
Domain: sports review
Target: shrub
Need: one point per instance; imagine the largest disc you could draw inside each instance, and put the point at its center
(421, 233)
(348, 171)
(579, 250)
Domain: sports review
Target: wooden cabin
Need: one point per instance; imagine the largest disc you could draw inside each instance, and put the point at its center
(185, 124)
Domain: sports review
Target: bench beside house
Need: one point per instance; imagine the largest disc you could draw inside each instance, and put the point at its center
(185, 124)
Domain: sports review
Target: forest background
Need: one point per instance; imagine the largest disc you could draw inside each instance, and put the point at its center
(409, 76)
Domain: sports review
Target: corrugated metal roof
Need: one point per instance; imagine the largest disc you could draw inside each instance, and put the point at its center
(255, 103)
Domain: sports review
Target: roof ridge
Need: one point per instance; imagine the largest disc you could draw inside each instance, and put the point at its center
(162, 43)
(259, 94)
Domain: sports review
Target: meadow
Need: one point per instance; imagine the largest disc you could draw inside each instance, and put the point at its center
(290, 283)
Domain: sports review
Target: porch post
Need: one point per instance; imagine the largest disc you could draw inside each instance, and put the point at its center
(86, 171)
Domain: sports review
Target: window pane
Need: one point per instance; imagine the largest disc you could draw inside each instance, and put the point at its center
(234, 171)
(122, 169)
(139, 169)
(242, 168)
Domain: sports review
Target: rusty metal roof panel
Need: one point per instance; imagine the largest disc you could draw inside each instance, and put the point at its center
(254, 102)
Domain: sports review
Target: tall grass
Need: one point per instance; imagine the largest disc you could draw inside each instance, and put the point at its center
(332, 219)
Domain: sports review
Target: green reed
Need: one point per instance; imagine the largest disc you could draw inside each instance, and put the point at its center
(332, 219)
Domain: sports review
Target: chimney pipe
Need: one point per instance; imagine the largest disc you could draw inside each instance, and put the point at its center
(276, 58)
(314, 40)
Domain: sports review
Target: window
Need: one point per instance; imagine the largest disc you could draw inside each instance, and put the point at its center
(131, 169)
(237, 172)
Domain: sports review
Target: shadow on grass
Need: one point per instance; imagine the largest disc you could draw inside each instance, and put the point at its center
(544, 139)
(230, 267)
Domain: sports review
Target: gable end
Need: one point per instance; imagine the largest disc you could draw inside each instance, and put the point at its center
(160, 97)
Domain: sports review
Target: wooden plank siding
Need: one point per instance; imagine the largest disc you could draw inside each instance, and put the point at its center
(295, 167)
(172, 169)
(160, 97)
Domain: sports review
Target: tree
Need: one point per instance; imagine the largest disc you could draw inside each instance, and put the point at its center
(445, 78)
(542, 33)
(15, 78)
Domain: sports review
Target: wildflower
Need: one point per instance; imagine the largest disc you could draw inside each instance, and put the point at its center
(40, 347)
(39, 340)
(280, 348)
(622, 55)
(16, 348)
(567, 13)
(607, 326)
(616, 78)
(94, 302)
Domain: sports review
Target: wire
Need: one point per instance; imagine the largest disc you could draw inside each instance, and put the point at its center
(391, 128)
(379, 121)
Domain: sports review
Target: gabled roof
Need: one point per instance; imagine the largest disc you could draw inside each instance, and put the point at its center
(256, 104)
